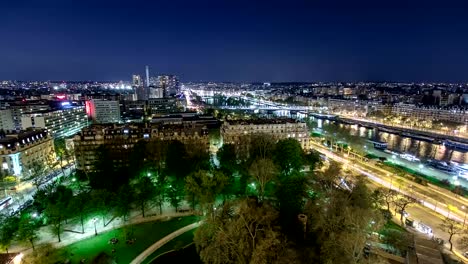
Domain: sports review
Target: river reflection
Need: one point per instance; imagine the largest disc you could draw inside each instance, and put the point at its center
(356, 136)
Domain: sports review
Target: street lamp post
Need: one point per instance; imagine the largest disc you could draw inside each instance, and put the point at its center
(95, 229)
(464, 218)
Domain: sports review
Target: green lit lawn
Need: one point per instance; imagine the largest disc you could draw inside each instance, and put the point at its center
(177, 243)
(393, 225)
(146, 234)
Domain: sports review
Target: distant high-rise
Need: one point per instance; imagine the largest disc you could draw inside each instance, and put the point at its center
(137, 80)
(147, 76)
(169, 84)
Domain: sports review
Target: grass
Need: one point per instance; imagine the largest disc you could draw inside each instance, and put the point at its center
(145, 234)
(175, 244)
(393, 225)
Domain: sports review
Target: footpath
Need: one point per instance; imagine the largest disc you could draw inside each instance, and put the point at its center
(46, 236)
(145, 254)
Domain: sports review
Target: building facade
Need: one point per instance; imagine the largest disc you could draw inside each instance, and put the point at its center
(59, 123)
(237, 131)
(20, 151)
(103, 111)
(6, 120)
(122, 138)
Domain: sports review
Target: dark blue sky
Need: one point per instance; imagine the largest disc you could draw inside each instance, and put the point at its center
(235, 40)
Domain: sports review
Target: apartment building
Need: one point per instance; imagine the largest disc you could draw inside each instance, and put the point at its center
(237, 131)
(19, 151)
(452, 114)
(123, 137)
(63, 122)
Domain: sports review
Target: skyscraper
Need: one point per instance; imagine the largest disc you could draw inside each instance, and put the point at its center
(147, 76)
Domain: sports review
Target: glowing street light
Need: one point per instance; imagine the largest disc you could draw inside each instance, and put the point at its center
(464, 218)
(95, 229)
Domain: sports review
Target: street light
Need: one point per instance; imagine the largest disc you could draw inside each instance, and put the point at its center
(464, 218)
(94, 222)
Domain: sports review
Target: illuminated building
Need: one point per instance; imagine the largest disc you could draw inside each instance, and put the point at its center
(63, 122)
(238, 132)
(136, 80)
(122, 138)
(19, 151)
(103, 111)
(169, 84)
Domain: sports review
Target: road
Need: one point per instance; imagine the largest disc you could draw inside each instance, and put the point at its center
(25, 190)
(430, 211)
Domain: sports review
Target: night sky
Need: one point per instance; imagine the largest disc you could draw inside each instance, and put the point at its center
(235, 40)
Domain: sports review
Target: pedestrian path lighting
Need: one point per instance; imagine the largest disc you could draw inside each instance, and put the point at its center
(94, 222)
(464, 218)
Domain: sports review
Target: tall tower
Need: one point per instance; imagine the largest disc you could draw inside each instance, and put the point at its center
(147, 76)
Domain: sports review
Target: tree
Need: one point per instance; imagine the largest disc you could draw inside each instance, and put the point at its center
(144, 191)
(206, 186)
(386, 196)
(55, 216)
(339, 220)
(160, 187)
(263, 171)
(261, 146)
(27, 230)
(61, 150)
(452, 228)
(123, 201)
(156, 150)
(228, 158)
(402, 203)
(175, 194)
(8, 229)
(175, 156)
(138, 159)
(79, 206)
(291, 194)
(288, 155)
(37, 172)
(247, 234)
(198, 157)
(45, 254)
(57, 208)
(312, 159)
(101, 203)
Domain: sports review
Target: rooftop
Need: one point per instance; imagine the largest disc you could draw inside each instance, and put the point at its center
(262, 121)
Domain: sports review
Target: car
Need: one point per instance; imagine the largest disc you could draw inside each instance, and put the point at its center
(404, 213)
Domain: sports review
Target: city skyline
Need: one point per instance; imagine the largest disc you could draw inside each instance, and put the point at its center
(241, 42)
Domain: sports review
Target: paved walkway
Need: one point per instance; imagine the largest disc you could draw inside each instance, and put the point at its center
(145, 254)
(46, 237)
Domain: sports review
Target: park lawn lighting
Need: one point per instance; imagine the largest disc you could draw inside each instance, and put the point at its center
(95, 229)
(18, 259)
(34, 215)
(149, 174)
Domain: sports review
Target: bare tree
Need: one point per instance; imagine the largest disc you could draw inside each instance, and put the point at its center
(402, 203)
(263, 171)
(243, 233)
(452, 228)
(388, 196)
